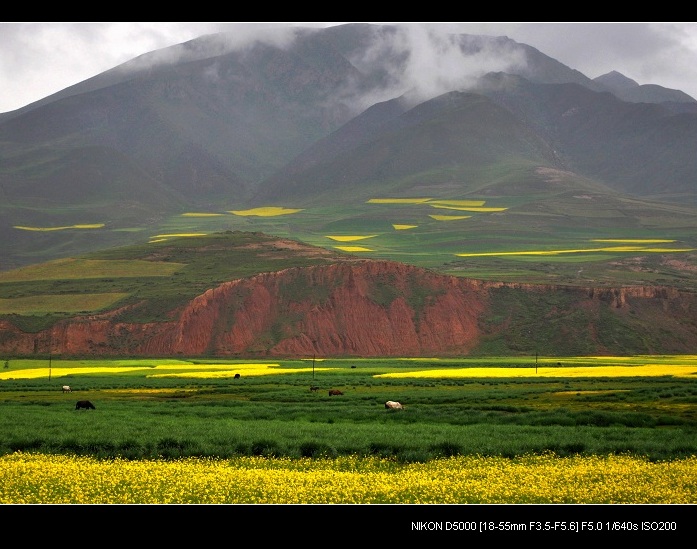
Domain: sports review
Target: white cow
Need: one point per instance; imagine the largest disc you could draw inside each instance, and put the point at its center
(393, 405)
(67, 389)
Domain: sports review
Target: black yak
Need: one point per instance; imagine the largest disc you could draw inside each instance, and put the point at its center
(84, 405)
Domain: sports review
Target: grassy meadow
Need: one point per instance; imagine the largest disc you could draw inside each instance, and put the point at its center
(568, 239)
(571, 430)
(504, 238)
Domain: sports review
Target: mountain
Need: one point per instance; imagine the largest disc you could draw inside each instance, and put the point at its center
(459, 135)
(455, 134)
(187, 139)
(629, 90)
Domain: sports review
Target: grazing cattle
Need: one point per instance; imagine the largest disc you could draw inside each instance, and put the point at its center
(67, 389)
(237, 376)
(334, 392)
(393, 405)
(314, 388)
(84, 405)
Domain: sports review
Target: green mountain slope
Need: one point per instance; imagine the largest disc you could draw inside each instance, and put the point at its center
(324, 121)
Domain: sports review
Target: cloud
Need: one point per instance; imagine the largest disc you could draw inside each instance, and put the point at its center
(428, 60)
(215, 41)
(39, 59)
(649, 53)
(437, 63)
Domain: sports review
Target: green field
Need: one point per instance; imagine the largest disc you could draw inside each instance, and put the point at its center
(643, 406)
(510, 239)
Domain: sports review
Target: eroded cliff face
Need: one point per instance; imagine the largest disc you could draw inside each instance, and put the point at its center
(361, 309)
(367, 309)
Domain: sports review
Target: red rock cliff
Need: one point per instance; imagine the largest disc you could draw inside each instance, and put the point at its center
(361, 309)
(368, 308)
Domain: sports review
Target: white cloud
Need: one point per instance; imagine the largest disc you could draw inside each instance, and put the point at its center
(39, 59)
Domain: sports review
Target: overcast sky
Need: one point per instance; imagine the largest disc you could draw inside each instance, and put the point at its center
(38, 59)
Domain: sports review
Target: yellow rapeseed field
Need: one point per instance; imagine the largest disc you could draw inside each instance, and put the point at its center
(36, 373)
(43, 229)
(449, 217)
(471, 203)
(679, 366)
(397, 200)
(547, 371)
(267, 211)
(611, 249)
(27, 478)
(354, 249)
(468, 208)
(210, 371)
(350, 238)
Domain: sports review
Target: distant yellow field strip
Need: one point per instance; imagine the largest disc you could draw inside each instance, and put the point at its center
(354, 249)
(164, 370)
(268, 211)
(612, 249)
(468, 208)
(177, 235)
(468, 203)
(449, 217)
(397, 200)
(229, 370)
(648, 370)
(635, 240)
(399, 227)
(347, 238)
(216, 366)
(458, 205)
(82, 226)
(35, 373)
(432, 202)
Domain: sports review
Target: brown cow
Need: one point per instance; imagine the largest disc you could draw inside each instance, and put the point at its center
(334, 392)
(393, 405)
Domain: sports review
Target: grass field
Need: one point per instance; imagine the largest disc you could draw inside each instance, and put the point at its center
(563, 421)
(578, 405)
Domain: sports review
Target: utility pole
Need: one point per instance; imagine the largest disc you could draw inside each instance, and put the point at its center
(534, 340)
(50, 344)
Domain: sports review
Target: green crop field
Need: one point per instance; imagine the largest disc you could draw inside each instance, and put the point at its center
(497, 406)
(518, 430)
(505, 238)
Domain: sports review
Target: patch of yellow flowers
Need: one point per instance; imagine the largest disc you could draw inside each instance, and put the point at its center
(27, 478)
